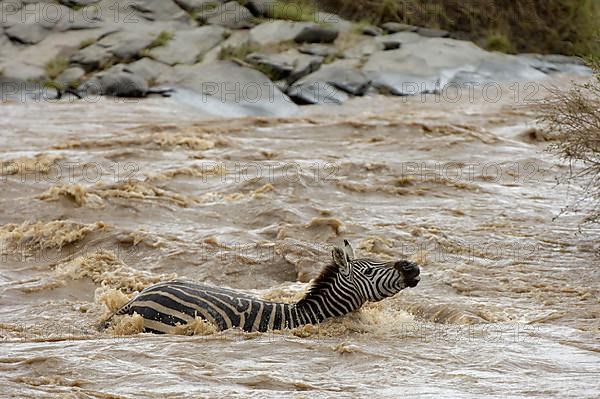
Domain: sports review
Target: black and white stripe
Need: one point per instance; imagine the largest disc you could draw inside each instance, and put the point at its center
(343, 286)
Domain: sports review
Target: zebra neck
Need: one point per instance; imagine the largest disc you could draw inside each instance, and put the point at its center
(316, 308)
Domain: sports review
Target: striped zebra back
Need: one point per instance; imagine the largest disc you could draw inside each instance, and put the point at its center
(173, 303)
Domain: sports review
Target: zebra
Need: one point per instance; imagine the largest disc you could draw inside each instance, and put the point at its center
(343, 286)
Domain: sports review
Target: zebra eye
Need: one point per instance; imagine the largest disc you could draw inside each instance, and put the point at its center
(368, 271)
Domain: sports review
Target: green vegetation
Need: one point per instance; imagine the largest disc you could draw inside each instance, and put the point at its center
(269, 71)
(292, 10)
(86, 43)
(53, 84)
(499, 42)
(572, 119)
(163, 38)
(543, 26)
(240, 52)
(237, 52)
(56, 66)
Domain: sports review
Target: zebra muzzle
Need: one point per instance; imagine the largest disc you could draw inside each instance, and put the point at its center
(410, 271)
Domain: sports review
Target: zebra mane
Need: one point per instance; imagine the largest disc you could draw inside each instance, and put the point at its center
(323, 280)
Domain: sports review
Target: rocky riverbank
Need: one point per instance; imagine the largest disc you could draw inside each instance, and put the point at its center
(253, 57)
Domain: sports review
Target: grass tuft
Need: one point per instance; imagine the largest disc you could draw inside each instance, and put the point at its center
(237, 52)
(163, 38)
(499, 42)
(56, 66)
(86, 43)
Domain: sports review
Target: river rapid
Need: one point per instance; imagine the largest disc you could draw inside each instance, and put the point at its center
(99, 200)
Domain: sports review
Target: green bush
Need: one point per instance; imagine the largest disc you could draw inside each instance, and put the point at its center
(56, 66)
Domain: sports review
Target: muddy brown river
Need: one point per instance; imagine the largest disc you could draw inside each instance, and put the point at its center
(99, 200)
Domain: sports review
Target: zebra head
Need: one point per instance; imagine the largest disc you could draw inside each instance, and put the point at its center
(372, 279)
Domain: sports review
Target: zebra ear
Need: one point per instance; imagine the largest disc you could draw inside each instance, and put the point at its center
(339, 258)
(348, 250)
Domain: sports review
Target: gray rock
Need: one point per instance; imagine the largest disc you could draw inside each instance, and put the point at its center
(196, 6)
(395, 27)
(317, 93)
(499, 67)
(555, 63)
(80, 19)
(364, 48)
(277, 68)
(230, 15)
(259, 8)
(158, 10)
(426, 65)
(316, 34)
(92, 57)
(429, 32)
(127, 45)
(7, 48)
(320, 50)
(78, 3)
(282, 31)
(332, 20)
(71, 77)
(27, 33)
(371, 30)
(45, 14)
(14, 71)
(228, 89)
(147, 68)
(238, 38)
(390, 44)
(189, 46)
(290, 65)
(339, 75)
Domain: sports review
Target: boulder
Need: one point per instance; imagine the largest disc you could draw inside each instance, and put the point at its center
(15, 71)
(80, 19)
(238, 38)
(27, 33)
(158, 10)
(341, 76)
(555, 63)
(189, 46)
(147, 68)
(316, 34)
(92, 57)
(317, 93)
(228, 89)
(230, 15)
(7, 48)
(78, 3)
(127, 44)
(371, 30)
(426, 65)
(259, 8)
(71, 77)
(290, 65)
(390, 44)
(320, 50)
(429, 32)
(333, 21)
(300, 32)
(197, 6)
(395, 27)
(364, 48)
